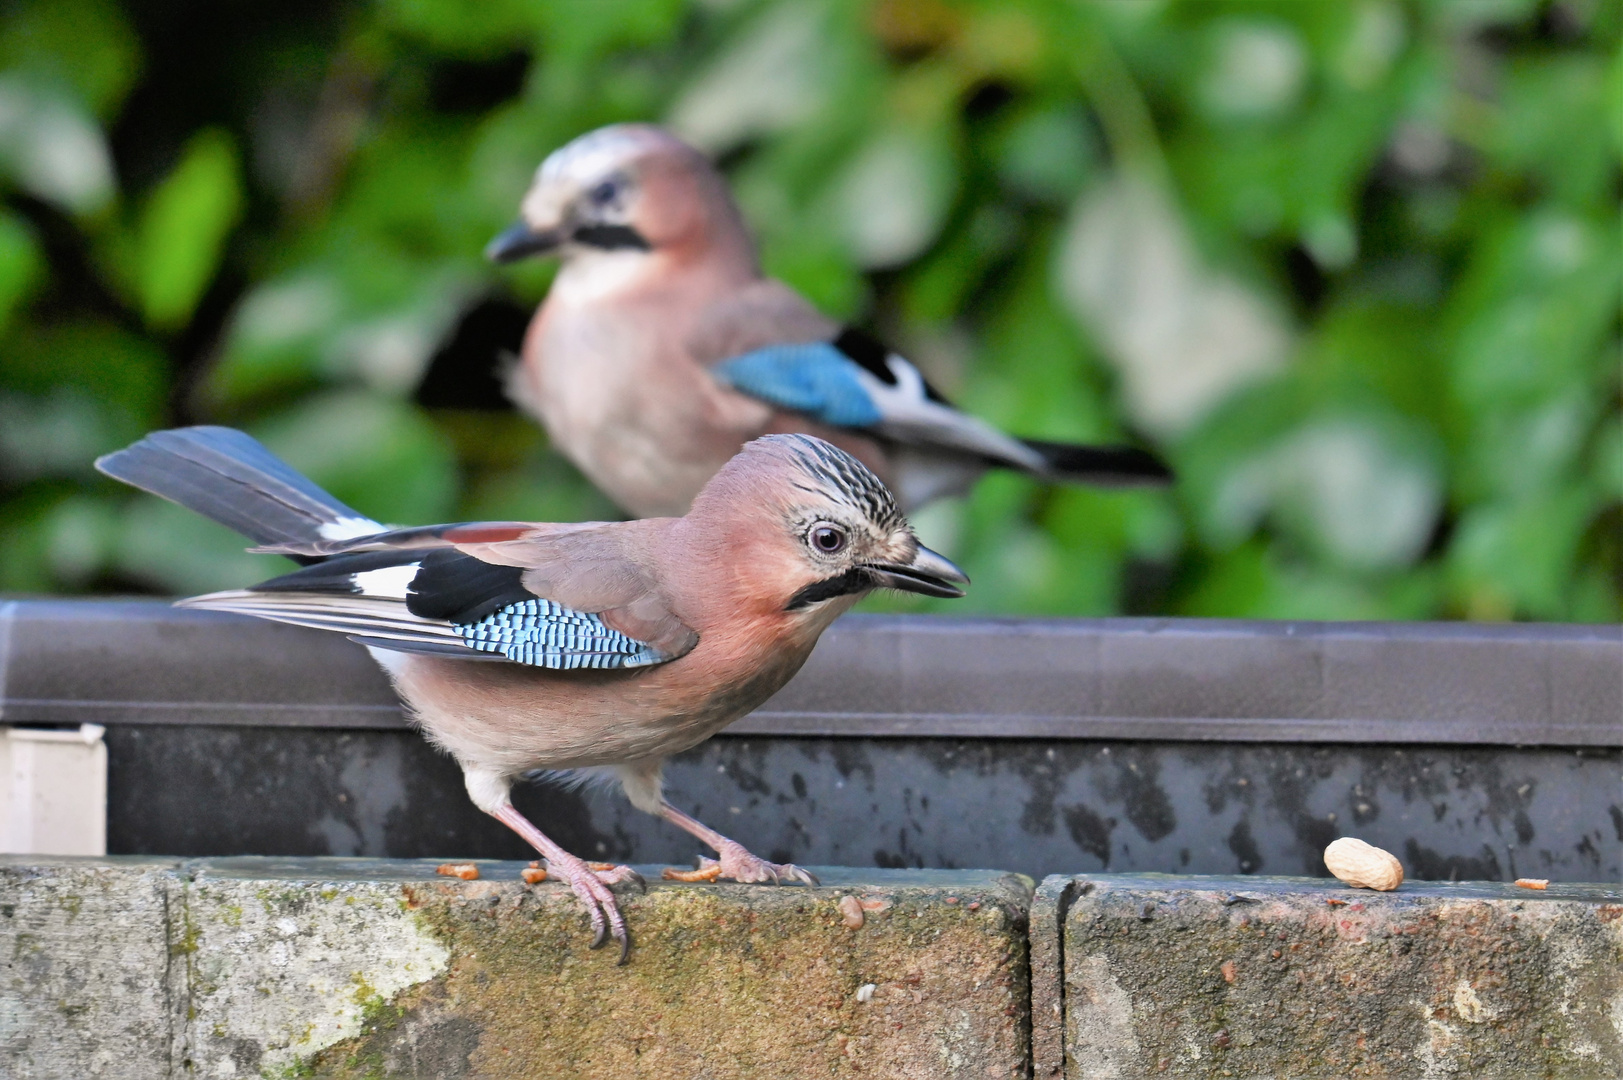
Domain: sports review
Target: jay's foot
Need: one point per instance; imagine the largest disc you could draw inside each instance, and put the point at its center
(738, 864)
(611, 875)
(591, 886)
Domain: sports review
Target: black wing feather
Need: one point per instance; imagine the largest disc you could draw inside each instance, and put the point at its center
(873, 356)
(459, 588)
(336, 574)
(1102, 464)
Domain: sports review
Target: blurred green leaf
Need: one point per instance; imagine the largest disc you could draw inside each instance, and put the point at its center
(59, 433)
(1554, 108)
(174, 551)
(1035, 375)
(1047, 153)
(477, 28)
(380, 456)
(771, 75)
(70, 393)
(25, 541)
(816, 264)
(1342, 474)
(581, 31)
(184, 227)
(1512, 557)
(86, 44)
(1255, 69)
(893, 197)
(1253, 582)
(1608, 465)
(276, 336)
(51, 147)
(1613, 92)
(81, 533)
(21, 266)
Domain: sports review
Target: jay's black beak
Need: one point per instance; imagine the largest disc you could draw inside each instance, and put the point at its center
(519, 241)
(929, 573)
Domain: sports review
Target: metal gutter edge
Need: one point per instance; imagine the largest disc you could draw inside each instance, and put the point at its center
(144, 662)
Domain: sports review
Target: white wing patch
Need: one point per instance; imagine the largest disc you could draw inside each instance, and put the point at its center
(908, 415)
(391, 581)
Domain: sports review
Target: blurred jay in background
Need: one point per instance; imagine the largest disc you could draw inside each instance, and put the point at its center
(596, 648)
(661, 349)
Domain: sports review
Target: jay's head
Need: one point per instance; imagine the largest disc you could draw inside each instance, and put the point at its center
(812, 529)
(627, 188)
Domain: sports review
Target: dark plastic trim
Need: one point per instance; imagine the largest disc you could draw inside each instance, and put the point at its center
(143, 662)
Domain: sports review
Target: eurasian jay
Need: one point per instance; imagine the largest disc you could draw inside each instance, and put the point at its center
(596, 648)
(661, 349)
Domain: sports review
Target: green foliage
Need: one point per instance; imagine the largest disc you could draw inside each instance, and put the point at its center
(1354, 268)
(183, 228)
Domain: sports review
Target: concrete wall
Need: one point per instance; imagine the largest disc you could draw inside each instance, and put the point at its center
(147, 968)
(1153, 975)
(327, 967)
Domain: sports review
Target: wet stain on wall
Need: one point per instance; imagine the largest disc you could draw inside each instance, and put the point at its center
(1033, 806)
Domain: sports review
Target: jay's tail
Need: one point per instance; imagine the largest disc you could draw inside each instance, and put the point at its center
(231, 478)
(1106, 465)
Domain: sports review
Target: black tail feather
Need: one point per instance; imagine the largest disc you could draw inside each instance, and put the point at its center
(1107, 465)
(231, 478)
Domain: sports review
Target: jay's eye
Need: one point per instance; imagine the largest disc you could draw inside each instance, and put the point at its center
(604, 193)
(827, 539)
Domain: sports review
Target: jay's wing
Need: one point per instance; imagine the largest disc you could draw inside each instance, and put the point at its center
(853, 382)
(560, 597)
(769, 343)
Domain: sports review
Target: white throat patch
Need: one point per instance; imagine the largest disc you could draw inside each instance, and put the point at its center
(590, 275)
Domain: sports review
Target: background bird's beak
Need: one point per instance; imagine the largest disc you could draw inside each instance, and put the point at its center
(520, 241)
(929, 573)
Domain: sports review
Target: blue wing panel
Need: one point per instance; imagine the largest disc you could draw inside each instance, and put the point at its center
(541, 633)
(814, 378)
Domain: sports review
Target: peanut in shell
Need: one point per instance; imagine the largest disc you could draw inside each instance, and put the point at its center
(1363, 866)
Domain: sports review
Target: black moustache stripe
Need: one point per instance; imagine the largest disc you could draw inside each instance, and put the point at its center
(855, 580)
(611, 237)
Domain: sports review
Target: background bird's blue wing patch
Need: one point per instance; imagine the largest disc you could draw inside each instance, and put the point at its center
(542, 633)
(814, 378)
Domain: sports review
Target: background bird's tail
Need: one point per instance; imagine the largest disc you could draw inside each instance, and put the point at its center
(1106, 465)
(231, 478)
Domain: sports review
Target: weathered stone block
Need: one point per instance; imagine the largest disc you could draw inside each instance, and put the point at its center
(1303, 978)
(724, 981)
(85, 969)
(283, 958)
(351, 968)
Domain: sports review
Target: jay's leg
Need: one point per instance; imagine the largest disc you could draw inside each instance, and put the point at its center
(490, 793)
(643, 786)
(736, 863)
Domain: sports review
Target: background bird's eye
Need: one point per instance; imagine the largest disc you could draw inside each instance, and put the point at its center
(604, 193)
(827, 539)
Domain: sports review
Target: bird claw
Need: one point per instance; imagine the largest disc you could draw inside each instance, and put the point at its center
(799, 873)
(739, 864)
(591, 886)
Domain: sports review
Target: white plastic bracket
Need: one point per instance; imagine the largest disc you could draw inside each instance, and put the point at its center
(53, 791)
